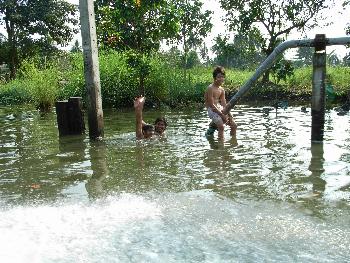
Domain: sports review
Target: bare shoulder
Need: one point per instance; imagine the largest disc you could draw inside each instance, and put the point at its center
(222, 89)
(209, 89)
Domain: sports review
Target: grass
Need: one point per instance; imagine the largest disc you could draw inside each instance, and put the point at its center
(166, 84)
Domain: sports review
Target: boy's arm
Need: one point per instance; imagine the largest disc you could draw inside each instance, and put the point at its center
(224, 104)
(138, 105)
(223, 98)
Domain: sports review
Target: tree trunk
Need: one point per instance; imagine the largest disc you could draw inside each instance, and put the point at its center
(13, 61)
(13, 58)
(185, 58)
(268, 51)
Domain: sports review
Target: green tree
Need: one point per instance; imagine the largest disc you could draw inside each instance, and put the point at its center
(346, 60)
(76, 48)
(276, 18)
(3, 49)
(282, 70)
(172, 57)
(135, 25)
(243, 53)
(35, 24)
(303, 56)
(333, 59)
(194, 25)
(138, 25)
(204, 54)
(191, 60)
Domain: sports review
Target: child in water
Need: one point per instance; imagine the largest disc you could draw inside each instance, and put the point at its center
(215, 102)
(144, 130)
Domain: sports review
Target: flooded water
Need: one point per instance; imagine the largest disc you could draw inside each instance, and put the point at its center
(267, 196)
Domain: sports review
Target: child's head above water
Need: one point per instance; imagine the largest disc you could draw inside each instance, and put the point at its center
(160, 124)
(147, 130)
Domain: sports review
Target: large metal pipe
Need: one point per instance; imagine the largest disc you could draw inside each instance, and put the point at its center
(272, 58)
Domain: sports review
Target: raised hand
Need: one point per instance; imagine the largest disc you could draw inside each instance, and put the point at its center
(139, 102)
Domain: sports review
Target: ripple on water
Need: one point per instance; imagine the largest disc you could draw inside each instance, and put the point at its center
(184, 227)
(195, 200)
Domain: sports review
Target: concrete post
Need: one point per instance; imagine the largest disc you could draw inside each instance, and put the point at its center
(91, 69)
(318, 89)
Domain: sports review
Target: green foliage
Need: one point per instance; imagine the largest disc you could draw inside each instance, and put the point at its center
(137, 25)
(333, 59)
(35, 85)
(346, 60)
(300, 83)
(42, 83)
(236, 78)
(192, 60)
(36, 25)
(245, 52)
(4, 49)
(173, 57)
(76, 48)
(118, 82)
(276, 18)
(282, 70)
(339, 78)
(303, 56)
(72, 81)
(194, 24)
(14, 92)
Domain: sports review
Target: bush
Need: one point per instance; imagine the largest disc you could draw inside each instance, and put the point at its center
(14, 92)
(63, 77)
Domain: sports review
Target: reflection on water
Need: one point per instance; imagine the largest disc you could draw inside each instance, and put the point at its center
(268, 194)
(99, 169)
(316, 168)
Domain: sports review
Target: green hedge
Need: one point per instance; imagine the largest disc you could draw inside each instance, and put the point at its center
(63, 77)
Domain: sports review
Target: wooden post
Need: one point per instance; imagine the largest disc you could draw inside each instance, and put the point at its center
(75, 115)
(62, 120)
(318, 89)
(70, 118)
(91, 69)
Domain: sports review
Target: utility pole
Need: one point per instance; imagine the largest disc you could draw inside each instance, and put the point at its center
(91, 69)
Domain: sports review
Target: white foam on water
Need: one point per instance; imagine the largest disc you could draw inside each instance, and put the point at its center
(69, 232)
(197, 226)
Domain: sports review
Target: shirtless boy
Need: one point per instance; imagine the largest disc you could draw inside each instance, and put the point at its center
(215, 102)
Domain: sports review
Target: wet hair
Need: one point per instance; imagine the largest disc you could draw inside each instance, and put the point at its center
(218, 70)
(147, 127)
(161, 119)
